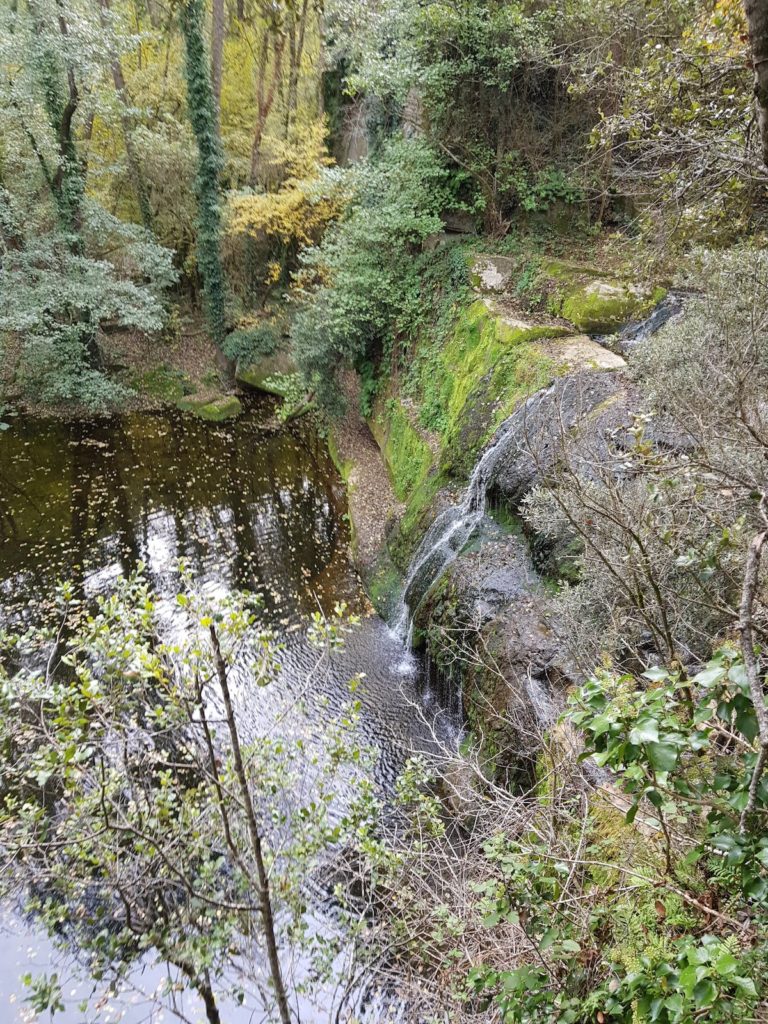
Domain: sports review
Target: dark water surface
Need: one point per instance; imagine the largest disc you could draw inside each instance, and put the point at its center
(246, 507)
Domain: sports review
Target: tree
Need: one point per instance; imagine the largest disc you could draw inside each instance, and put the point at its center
(269, 71)
(362, 282)
(134, 167)
(757, 22)
(69, 266)
(131, 823)
(218, 27)
(201, 109)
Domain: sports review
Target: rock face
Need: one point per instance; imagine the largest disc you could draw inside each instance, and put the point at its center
(511, 381)
(591, 402)
(492, 639)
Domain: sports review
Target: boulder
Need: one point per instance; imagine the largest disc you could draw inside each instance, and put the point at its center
(493, 273)
(266, 374)
(225, 407)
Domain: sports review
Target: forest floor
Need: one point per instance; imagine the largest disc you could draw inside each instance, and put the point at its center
(157, 371)
(371, 499)
(164, 369)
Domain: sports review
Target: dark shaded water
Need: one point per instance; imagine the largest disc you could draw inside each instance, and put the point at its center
(246, 507)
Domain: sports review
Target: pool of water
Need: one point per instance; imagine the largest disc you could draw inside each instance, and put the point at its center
(247, 507)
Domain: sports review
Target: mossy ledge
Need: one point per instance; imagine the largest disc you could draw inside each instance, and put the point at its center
(594, 302)
(459, 393)
(215, 410)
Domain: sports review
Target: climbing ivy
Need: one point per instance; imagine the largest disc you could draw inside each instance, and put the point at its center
(202, 114)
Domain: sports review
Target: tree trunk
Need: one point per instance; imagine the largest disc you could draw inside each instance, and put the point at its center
(202, 114)
(265, 98)
(757, 22)
(134, 166)
(265, 898)
(297, 54)
(217, 55)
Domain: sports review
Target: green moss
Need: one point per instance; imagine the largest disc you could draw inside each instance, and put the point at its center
(491, 367)
(407, 454)
(603, 307)
(164, 382)
(464, 382)
(224, 408)
(596, 302)
(384, 586)
(344, 467)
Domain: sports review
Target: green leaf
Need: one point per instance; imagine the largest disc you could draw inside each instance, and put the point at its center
(710, 676)
(745, 985)
(663, 756)
(726, 964)
(689, 977)
(646, 731)
(656, 674)
(705, 992)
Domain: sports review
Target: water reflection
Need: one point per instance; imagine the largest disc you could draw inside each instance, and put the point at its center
(249, 507)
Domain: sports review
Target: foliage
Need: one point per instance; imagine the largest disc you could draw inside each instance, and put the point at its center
(69, 266)
(122, 790)
(562, 909)
(360, 286)
(311, 195)
(251, 341)
(668, 743)
(682, 135)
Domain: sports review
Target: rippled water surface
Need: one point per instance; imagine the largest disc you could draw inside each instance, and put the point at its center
(247, 507)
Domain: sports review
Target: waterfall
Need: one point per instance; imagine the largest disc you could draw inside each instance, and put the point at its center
(452, 529)
(637, 332)
(446, 537)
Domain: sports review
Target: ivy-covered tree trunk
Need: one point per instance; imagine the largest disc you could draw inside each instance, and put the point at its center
(202, 115)
(217, 53)
(757, 21)
(67, 180)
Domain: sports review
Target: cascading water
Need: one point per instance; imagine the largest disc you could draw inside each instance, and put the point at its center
(634, 334)
(452, 529)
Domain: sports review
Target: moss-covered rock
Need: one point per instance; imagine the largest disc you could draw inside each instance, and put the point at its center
(268, 374)
(464, 390)
(215, 410)
(595, 302)
(492, 364)
(409, 457)
(602, 307)
(165, 383)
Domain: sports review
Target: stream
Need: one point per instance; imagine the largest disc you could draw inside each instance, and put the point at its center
(247, 507)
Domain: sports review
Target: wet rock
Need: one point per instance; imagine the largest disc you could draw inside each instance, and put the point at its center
(489, 627)
(539, 425)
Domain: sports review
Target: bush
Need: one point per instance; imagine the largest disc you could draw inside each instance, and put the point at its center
(361, 285)
(248, 344)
